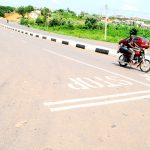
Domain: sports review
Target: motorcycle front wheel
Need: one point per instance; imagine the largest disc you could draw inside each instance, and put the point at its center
(145, 65)
(122, 61)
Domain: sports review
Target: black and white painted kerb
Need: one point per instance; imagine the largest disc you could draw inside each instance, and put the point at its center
(98, 49)
(94, 48)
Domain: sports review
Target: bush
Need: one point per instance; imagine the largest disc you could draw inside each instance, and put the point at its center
(2, 14)
(26, 21)
(31, 22)
(40, 20)
(100, 26)
(144, 32)
(56, 20)
(91, 23)
(70, 23)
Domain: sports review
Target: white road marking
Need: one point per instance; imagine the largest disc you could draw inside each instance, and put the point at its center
(146, 76)
(92, 66)
(94, 98)
(86, 83)
(99, 103)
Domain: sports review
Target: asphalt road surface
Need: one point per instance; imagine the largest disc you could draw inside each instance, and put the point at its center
(57, 97)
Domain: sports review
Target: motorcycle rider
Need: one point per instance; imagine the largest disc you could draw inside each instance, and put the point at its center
(132, 46)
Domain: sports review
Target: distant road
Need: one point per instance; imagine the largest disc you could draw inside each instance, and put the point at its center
(94, 42)
(113, 46)
(57, 97)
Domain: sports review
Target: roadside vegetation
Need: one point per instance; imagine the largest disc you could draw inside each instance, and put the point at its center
(24, 10)
(81, 25)
(5, 9)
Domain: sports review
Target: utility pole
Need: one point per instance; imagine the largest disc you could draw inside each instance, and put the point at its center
(106, 20)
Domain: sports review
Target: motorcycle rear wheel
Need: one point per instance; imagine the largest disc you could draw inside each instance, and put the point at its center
(145, 65)
(122, 61)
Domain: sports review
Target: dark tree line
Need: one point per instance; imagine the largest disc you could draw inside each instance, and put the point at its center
(5, 9)
(22, 10)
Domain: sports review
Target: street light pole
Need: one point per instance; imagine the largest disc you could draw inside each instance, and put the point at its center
(106, 19)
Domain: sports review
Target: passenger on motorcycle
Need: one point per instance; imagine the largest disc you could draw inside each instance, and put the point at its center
(132, 47)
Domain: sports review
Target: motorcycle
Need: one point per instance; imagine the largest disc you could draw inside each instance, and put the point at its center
(139, 58)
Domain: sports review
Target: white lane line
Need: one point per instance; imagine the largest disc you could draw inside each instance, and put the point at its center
(94, 98)
(99, 103)
(92, 66)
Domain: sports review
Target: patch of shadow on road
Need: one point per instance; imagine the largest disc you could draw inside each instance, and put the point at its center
(113, 126)
(133, 67)
(2, 85)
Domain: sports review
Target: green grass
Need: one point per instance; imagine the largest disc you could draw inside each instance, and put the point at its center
(113, 34)
(82, 33)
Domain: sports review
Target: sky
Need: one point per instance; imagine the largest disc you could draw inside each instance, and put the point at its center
(129, 8)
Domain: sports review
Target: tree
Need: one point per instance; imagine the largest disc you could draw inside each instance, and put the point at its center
(29, 8)
(21, 10)
(5, 9)
(45, 12)
(91, 22)
(59, 11)
(71, 12)
(82, 14)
